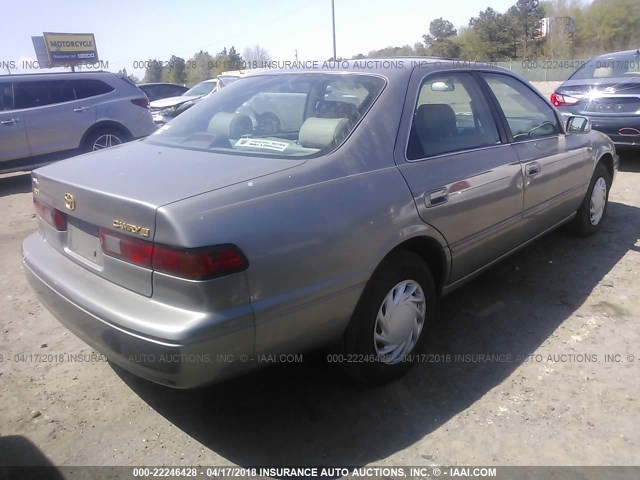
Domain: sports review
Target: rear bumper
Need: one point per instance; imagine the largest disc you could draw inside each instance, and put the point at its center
(197, 347)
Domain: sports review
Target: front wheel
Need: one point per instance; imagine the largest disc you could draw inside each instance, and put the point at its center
(388, 327)
(592, 211)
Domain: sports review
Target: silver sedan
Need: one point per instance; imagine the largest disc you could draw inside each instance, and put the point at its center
(220, 243)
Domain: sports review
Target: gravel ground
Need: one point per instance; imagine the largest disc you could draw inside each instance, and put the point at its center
(551, 375)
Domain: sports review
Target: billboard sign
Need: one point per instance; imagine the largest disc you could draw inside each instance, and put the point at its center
(70, 48)
(41, 52)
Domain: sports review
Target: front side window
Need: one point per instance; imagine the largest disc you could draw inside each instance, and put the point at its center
(527, 114)
(451, 115)
(6, 97)
(287, 115)
(39, 93)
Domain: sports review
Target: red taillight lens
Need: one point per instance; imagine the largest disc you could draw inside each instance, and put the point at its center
(193, 263)
(52, 216)
(126, 248)
(199, 263)
(141, 102)
(563, 100)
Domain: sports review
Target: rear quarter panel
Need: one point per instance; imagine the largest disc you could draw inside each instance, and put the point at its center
(313, 234)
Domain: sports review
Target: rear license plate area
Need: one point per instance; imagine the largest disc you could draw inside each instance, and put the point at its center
(83, 239)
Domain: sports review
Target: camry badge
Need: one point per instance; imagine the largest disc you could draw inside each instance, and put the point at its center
(129, 227)
(69, 201)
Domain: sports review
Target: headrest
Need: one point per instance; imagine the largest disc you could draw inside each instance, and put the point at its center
(230, 125)
(436, 120)
(322, 132)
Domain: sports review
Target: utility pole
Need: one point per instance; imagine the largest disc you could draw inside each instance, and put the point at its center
(333, 19)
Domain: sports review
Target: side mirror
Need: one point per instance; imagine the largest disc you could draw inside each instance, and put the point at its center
(578, 124)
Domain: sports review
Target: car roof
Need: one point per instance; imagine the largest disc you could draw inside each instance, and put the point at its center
(160, 83)
(41, 75)
(388, 67)
(623, 53)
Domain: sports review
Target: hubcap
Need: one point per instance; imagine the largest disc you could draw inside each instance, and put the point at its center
(399, 322)
(105, 141)
(598, 201)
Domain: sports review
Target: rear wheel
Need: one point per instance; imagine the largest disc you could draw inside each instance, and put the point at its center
(104, 138)
(389, 323)
(592, 211)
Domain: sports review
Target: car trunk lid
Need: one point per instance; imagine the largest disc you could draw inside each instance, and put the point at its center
(607, 97)
(120, 189)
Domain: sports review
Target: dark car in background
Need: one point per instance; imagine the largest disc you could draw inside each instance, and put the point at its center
(607, 91)
(156, 91)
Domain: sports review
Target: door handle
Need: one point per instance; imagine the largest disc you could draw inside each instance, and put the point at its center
(437, 197)
(11, 121)
(532, 169)
(81, 109)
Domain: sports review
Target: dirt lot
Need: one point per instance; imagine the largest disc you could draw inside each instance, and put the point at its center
(550, 395)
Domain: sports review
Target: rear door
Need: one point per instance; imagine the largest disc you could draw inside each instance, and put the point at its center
(556, 166)
(55, 119)
(466, 181)
(13, 136)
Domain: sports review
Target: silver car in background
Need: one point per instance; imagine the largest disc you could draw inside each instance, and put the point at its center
(213, 247)
(164, 109)
(48, 116)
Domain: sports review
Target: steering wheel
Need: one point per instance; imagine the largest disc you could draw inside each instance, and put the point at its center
(531, 132)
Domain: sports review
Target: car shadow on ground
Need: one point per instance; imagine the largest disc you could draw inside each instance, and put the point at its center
(309, 414)
(11, 184)
(629, 161)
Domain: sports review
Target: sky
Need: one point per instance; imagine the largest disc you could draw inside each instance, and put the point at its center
(129, 32)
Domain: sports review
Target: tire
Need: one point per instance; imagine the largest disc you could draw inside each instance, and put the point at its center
(593, 209)
(366, 352)
(104, 138)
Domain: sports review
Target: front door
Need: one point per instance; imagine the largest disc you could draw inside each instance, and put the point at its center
(556, 166)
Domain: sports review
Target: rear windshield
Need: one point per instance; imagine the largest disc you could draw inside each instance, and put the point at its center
(610, 67)
(288, 115)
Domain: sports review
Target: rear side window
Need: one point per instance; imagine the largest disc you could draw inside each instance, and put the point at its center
(40, 93)
(6, 97)
(451, 115)
(85, 88)
(527, 114)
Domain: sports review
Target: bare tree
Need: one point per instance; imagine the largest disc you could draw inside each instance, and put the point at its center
(256, 56)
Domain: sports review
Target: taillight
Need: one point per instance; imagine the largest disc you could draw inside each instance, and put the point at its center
(560, 100)
(199, 263)
(141, 102)
(126, 248)
(190, 263)
(52, 216)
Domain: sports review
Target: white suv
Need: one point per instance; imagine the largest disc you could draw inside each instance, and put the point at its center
(45, 117)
